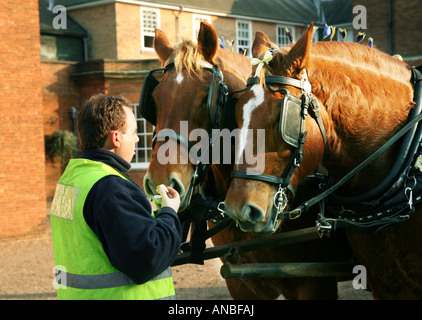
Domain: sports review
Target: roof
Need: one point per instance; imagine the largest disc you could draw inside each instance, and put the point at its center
(298, 11)
(338, 11)
(73, 29)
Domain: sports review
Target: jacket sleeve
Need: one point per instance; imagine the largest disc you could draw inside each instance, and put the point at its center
(135, 242)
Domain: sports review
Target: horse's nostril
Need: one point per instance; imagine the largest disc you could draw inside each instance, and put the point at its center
(176, 185)
(149, 187)
(252, 214)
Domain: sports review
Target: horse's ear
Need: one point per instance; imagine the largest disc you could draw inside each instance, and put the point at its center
(162, 45)
(207, 42)
(299, 53)
(261, 44)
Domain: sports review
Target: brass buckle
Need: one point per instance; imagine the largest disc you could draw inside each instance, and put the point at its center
(295, 214)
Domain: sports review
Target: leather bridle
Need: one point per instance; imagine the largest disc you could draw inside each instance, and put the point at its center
(216, 100)
(305, 103)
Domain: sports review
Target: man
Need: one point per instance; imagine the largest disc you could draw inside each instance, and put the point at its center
(108, 244)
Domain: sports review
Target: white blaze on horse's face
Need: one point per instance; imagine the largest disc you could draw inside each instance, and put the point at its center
(179, 78)
(248, 108)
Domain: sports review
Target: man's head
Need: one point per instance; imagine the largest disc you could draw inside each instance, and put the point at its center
(108, 122)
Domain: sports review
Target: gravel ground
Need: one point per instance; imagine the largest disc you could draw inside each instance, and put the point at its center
(26, 273)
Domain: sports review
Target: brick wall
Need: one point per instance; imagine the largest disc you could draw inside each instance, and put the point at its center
(407, 37)
(406, 30)
(59, 94)
(22, 169)
(128, 32)
(100, 23)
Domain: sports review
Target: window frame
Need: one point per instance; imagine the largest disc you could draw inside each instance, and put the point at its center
(280, 33)
(197, 24)
(141, 165)
(249, 39)
(147, 33)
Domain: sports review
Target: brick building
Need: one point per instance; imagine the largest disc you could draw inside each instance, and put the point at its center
(22, 170)
(115, 44)
(47, 73)
(395, 27)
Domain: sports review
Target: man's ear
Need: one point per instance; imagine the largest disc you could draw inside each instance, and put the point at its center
(113, 139)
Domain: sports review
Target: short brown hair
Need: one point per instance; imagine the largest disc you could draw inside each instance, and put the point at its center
(100, 115)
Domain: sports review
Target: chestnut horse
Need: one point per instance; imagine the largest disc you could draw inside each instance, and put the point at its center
(363, 98)
(182, 95)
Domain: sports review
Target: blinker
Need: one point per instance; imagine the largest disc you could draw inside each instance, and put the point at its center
(216, 95)
(146, 101)
(291, 119)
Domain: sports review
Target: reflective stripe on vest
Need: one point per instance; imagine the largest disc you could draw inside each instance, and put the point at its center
(101, 281)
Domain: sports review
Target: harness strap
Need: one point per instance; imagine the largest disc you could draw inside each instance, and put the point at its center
(265, 178)
(317, 116)
(305, 206)
(278, 80)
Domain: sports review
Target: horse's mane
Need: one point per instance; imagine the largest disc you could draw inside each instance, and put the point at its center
(357, 56)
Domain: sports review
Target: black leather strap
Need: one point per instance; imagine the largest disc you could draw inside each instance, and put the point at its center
(306, 205)
(277, 80)
(264, 178)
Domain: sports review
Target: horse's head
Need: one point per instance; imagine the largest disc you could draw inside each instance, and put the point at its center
(183, 100)
(258, 195)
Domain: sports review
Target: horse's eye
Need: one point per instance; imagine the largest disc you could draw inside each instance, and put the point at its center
(205, 100)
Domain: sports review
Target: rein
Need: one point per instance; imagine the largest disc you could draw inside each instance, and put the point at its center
(397, 203)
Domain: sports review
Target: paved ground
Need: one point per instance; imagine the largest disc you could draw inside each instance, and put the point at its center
(26, 272)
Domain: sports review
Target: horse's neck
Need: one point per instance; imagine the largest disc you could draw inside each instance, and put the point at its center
(362, 110)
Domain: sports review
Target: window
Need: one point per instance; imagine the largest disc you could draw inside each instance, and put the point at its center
(150, 19)
(197, 19)
(244, 37)
(143, 151)
(282, 38)
(62, 48)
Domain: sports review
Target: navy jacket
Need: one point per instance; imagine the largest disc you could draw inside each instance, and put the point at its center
(119, 213)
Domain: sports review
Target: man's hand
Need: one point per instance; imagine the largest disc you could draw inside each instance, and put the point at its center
(169, 197)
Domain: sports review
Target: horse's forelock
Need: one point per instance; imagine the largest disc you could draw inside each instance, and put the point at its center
(188, 57)
(274, 67)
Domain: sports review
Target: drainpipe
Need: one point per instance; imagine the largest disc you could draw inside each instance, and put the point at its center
(73, 113)
(390, 26)
(85, 45)
(178, 24)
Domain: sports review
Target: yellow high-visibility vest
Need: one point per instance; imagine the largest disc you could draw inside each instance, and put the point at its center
(83, 269)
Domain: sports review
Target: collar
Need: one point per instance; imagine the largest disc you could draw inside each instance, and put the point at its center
(107, 157)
